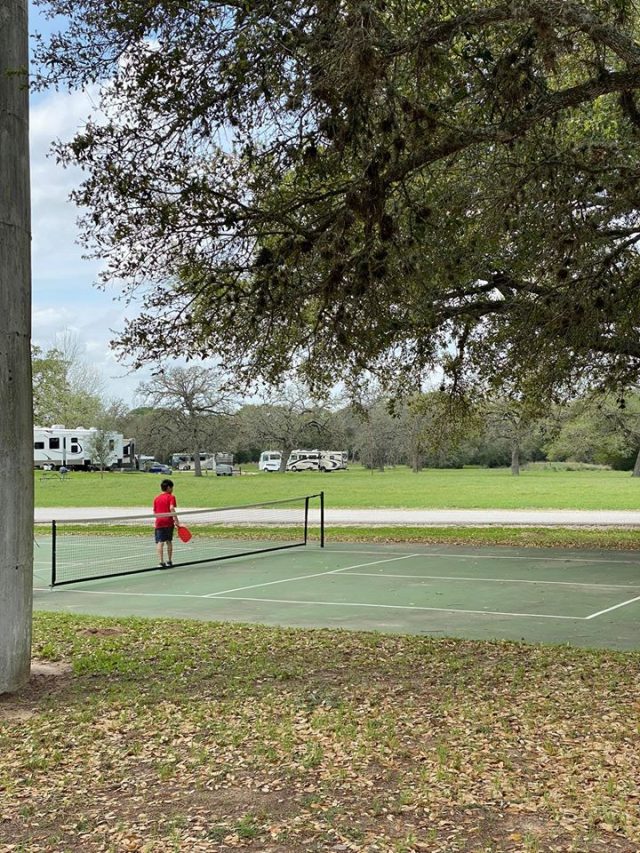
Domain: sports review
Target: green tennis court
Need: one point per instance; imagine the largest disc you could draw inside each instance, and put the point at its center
(589, 599)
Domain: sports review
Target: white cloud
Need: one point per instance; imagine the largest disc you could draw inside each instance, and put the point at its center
(55, 250)
(64, 297)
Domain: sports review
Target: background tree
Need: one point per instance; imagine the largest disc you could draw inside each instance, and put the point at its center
(50, 387)
(84, 402)
(515, 421)
(621, 418)
(100, 448)
(387, 185)
(378, 441)
(600, 429)
(443, 428)
(16, 424)
(410, 423)
(66, 390)
(186, 397)
(289, 420)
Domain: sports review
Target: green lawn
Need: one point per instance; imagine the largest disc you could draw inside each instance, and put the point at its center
(398, 487)
(158, 736)
(395, 487)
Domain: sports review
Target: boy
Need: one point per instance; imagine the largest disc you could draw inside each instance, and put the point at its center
(165, 502)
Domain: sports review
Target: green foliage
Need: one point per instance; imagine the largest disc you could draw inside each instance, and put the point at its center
(599, 429)
(289, 419)
(57, 398)
(469, 488)
(385, 186)
(187, 410)
(50, 386)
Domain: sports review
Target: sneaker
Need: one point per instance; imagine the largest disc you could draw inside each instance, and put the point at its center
(168, 565)
(162, 565)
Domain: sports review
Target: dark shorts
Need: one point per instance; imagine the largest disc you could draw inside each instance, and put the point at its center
(164, 534)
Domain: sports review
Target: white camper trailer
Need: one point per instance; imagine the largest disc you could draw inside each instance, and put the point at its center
(317, 460)
(187, 461)
(221, 463)
(80, 449)
(270, 460)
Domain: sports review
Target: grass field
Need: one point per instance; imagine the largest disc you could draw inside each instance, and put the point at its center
(158, 736)
(393, 488)
(357, 487)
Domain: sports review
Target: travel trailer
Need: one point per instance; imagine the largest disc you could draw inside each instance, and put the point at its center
(186, 461)
(317, 460)
(270, 460)
(57, 447)
(221, 463)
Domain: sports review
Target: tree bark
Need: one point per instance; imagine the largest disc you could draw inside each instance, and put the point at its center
(636, 467)
(286, 451)
(197, 463)
(515, 460)
(16, 423)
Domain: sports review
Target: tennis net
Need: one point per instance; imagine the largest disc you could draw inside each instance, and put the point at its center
(97, 548)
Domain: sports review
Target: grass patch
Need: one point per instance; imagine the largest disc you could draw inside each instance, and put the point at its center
(613, 538)
(472, 488)
(170, 735)
(604, 538)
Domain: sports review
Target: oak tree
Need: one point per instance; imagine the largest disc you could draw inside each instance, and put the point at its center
(380, 185)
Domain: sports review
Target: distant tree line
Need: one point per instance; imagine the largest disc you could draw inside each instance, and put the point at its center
(192, 410)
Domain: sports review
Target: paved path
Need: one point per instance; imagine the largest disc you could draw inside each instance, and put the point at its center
(417, 517)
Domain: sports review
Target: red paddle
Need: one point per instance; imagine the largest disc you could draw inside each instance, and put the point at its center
(184, 534)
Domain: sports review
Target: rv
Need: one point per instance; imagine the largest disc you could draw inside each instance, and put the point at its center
(187, 461)
(317, 460)
(270, 460)
(221, 463)
(58, 447)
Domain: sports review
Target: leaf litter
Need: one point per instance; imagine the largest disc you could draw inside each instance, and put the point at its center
(154, 735)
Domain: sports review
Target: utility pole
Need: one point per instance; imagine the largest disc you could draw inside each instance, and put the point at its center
(16, 419)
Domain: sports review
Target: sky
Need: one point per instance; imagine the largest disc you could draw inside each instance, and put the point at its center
(64, 298)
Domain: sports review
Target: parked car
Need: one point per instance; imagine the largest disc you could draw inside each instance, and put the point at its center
(223, 470)
(159, 468)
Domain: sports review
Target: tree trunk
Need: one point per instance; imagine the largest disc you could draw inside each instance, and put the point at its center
(515, 460)
(286, 451)
(16, 424)
(636, 467)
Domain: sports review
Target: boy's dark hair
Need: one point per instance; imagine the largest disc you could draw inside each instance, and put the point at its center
(166, 484)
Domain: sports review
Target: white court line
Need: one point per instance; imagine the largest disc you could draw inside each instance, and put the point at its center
(496, 580)
(110, 592)
(615, 607)
(306, 577)
(402, 607)
(223, 592)
(324, 603)
(527, 557)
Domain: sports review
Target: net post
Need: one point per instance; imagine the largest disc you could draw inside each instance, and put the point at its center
(322, 519)
(53, 553)
(306, 519)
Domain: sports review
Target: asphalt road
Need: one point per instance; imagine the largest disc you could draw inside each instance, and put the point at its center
(409, 517)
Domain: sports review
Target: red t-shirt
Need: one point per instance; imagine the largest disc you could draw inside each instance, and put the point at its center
(165, 502)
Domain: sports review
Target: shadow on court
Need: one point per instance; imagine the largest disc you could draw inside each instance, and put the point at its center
(589, 599)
